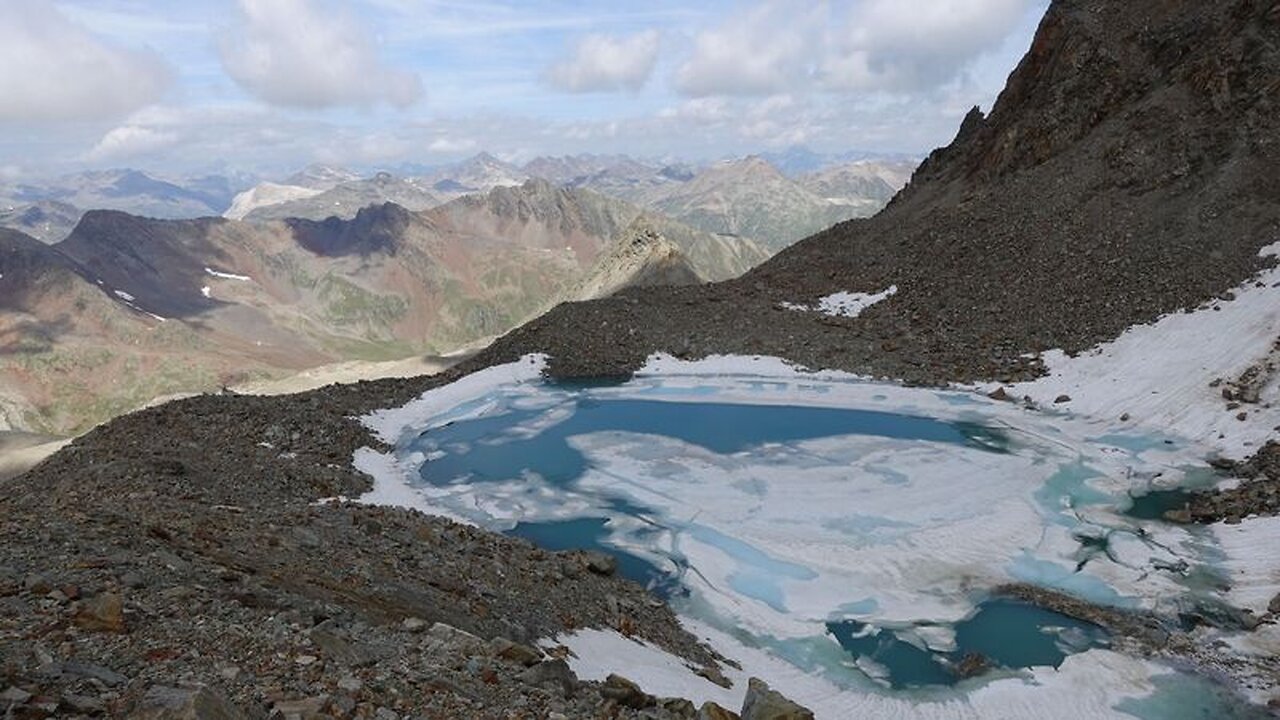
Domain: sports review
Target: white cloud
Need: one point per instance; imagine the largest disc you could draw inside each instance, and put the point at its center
(763, 51)
(864, 45)
(451, 145)
(53, 69)
(603, 63)
(299, 53)
(903, 47)
(130, 141)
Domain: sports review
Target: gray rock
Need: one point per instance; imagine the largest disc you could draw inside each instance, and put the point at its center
(14, 696)
(104, 675)
(461, 639)
(600, 563)
(763, 703)
(712, 711)
(101, 613)
(1273, 607)
(515, 652)
(414, 625)
(83, 704)
(344, 650)
(170, 703)
(625, 692)
(311, 708)
(554, 672)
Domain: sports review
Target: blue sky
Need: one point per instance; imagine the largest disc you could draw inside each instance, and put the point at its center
(271, 85)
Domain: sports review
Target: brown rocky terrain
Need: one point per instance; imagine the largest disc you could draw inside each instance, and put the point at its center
(157, 307)
(1126, 171)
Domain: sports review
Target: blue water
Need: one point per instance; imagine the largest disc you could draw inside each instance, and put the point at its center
(719, 427)
(1005, 633)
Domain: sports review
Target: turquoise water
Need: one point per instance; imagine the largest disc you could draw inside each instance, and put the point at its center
(1004, 633)
(719, 427)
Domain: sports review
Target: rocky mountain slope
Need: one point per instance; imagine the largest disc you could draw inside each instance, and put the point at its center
(641, 257)
(343, 200)
(750, 198)
(168, 306)
(130, 191)
(45, 220)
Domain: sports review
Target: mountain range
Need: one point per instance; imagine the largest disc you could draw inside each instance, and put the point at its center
(128, 308)
(724, 197)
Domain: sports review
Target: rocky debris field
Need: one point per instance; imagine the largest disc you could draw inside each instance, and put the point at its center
(179, 563)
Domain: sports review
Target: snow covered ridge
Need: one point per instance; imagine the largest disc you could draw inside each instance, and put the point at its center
(227, 275)
(844, 304)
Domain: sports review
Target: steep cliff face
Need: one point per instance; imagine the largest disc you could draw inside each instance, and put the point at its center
(1127, 170)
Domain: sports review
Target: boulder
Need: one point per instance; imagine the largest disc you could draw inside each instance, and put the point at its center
(101, 613)
(764, 703)
(171, 703)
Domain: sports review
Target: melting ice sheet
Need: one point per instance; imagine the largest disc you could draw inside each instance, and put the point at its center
(845, 528)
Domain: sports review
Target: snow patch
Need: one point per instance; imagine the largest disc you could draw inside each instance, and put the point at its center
(206, 291)
(124, 295)
(227, 275)
(844, 304)
(1164, 376)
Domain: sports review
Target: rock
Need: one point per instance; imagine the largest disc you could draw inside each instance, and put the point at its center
(679, 707)
(14, 696)
(37, 584)
(311, 708)
(999, 394)
(1061, 399)
(515, 652)
(414, 625)
(712, 711)
(170, 703)
(1242, 416)
(971, 665)
(555, 672)
(83, 704)
(107, 676)
(1124, 417)
(462, 640)
(763, 703)
(625, 692)
(101, 613)
(600, 563)
(349, 652)
(350, 683)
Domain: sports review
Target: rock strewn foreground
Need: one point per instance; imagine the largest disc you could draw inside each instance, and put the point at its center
(183, 547)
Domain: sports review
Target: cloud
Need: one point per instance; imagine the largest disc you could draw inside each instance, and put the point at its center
(52, 69)
(451, 145)
(865, 45)
(605, 63)
(129, 141)
(762, 51)
(299, 53)
(900, 47)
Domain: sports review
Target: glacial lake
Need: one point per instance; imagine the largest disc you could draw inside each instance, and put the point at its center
(853, 534)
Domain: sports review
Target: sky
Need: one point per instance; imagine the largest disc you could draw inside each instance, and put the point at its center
(269, 86)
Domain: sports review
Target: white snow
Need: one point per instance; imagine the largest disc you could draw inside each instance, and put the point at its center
(206, 291)
(124, 295)
(227, 275)
(1088, 685)
(1160, 374)
(844, 304)
(264, 195)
